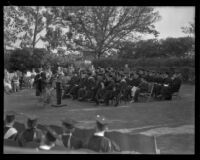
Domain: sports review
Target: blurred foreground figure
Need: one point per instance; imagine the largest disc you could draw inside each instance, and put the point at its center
(49, 141)
(9, 131)
(31, 133)
(67, 137)
(98, 142)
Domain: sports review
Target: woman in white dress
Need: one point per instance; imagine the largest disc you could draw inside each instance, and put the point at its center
(7, 82)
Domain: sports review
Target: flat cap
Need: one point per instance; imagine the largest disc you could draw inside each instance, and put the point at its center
(69, 123)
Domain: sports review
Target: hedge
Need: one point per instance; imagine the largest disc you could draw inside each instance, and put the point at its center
(185, 66)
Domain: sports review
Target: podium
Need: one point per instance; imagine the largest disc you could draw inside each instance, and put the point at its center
(58, 96)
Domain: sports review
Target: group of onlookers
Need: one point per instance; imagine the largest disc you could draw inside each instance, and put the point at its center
(15, 81)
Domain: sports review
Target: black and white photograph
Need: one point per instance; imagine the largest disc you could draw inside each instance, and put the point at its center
(99, 80)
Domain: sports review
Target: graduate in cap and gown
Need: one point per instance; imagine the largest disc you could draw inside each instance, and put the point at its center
(31, 133)
(67, 137)
(98, 142)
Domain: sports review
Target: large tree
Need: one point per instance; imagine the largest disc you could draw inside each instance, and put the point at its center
(102, 29)
(23, 23)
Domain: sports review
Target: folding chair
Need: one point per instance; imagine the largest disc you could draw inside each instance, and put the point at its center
(148, 94)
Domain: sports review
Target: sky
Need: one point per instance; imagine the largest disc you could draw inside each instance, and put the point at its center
(172, 19)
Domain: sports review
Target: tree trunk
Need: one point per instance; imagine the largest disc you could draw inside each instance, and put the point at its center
(35, 30)
(99, 55)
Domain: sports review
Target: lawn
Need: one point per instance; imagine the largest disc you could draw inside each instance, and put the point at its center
(130, 118)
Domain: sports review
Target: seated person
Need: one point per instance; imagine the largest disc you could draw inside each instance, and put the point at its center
(48, 141)
(99, 91)
(31, 133)
(109, 90)
(67, 137)
(135, 87)
(9, 131)
(176, 83)
(142, 88)
(90, 88)
(82, 92)
(98, 142)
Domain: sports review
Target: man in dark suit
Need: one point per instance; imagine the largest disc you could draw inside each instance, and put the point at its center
(67, 137)
(98, 142)
(31, 133)
(9, 131)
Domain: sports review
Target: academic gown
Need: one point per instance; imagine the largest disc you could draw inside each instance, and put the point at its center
(75, 143)
(102, 144)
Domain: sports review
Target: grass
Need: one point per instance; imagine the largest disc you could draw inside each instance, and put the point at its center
(137, 115)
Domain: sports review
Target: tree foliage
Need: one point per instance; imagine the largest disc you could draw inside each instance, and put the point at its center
(23, 59)
(23, 23)
(170, 47)
(190, 30)
(101, 29)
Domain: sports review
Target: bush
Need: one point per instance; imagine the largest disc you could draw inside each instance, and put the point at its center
(23, 60)
(147, 62)
(183, 65)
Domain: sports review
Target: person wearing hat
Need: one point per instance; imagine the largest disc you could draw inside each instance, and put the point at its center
(67, 137)
(98, 142)
(49, 140)
(31, 133)
(9, 131)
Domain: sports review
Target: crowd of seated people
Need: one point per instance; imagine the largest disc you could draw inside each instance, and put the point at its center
(108, 85)
(47, 139)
